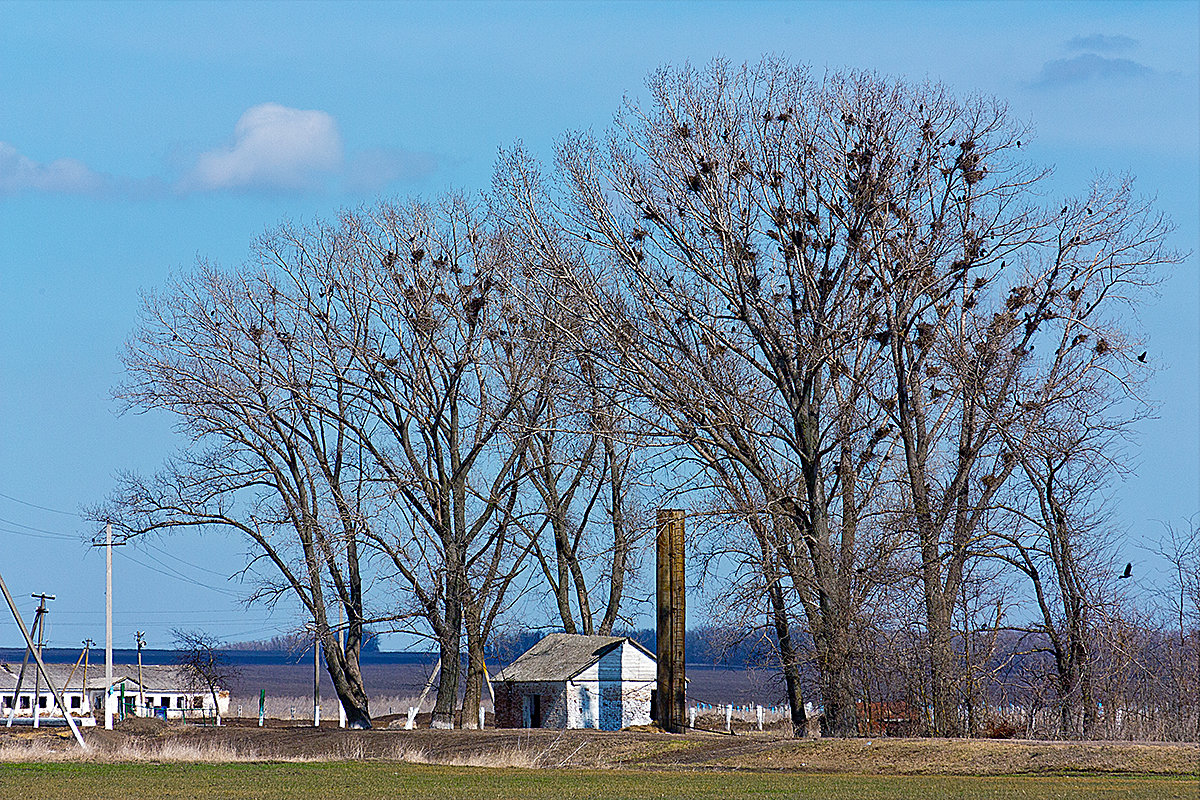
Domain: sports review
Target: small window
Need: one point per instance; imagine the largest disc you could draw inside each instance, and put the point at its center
(76, 701)
(25, 701)
(149, 700)
(8, 701)
(164, 702)
(42, 701)
(198, 701)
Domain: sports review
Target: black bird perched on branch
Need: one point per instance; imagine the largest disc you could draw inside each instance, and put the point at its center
(1142, 357)
(1128, 570)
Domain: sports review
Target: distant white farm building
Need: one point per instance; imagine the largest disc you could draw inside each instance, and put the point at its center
(573, 681)
(165, 693)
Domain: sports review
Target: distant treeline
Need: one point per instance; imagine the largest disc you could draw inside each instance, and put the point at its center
(708, 645)
(298, 642)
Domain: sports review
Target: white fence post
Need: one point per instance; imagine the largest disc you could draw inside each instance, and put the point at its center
(692, 717)
(728, 718)
(760, 718)
(481, 717)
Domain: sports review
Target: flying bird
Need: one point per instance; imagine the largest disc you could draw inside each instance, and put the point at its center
(1128, 570)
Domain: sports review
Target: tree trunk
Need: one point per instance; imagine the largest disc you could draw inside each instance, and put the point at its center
(942, 669)
(621, 544)
(837, 686)
(473, 692)
(344, 671)
(448, 648)
(789, 662)
(447, 691)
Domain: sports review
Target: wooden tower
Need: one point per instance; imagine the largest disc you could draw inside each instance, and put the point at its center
(671, 703)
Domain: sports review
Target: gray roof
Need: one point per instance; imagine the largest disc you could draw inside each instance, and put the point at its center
(561, 656)
(156, 678)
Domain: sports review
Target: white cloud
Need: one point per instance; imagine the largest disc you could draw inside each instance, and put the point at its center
(19, 173)
(275, 147)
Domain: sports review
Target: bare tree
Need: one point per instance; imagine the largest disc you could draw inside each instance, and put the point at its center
(1181, 551)
(236, 359)
(996, 312)
(203, 664)
(584, 517)
(1059, 540)
(453, 378)
(708, 251)
(793, 274)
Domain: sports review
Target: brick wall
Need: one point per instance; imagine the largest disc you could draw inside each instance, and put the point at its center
(510, 703)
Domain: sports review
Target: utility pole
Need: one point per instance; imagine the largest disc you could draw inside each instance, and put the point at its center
(37, 620)
(140, 636)
(108, 656)
(88, 644)
(37, 676)
(108, 665)
(12, 606)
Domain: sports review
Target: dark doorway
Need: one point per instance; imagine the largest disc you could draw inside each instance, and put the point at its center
(535, 711)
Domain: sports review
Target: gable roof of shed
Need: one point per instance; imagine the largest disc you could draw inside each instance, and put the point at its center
(562, 656)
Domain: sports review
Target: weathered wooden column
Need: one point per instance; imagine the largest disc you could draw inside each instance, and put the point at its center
(672, 691)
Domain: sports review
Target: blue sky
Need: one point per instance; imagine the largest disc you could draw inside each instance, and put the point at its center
(135, 137)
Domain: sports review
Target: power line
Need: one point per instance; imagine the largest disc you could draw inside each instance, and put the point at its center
(39, 530)
(140, 613)
(171, 572)
(57, 537)
(171, 555)
(40, 508)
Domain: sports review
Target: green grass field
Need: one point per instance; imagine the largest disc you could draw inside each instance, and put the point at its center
(334, 781)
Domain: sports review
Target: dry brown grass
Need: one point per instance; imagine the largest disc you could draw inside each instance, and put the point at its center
(155, 741)
(179, 744)
(969, 757)
(131, 751)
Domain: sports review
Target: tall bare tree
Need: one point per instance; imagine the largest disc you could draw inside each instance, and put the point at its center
(795, 273)
(453, 381)
(582, 511)
(233, 357)
(993, 311)
(717, 275)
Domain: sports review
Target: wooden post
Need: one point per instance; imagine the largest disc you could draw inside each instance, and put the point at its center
(37, 621)
(670, 586)
(12, 606)
(86, 705)
(37, 684)
(140, 637)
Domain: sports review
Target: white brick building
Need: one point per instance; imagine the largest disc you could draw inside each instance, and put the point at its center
(572, 681)
(165, 693)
